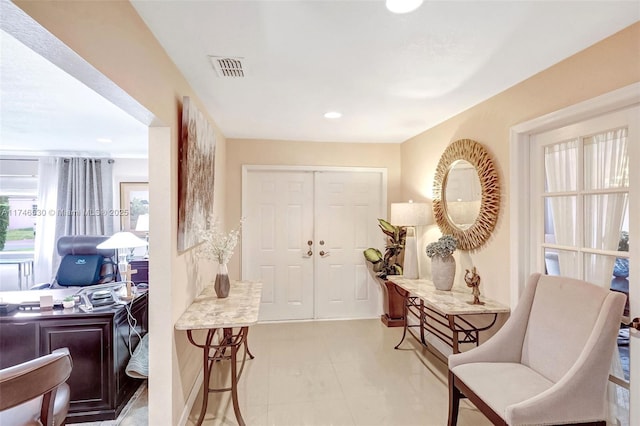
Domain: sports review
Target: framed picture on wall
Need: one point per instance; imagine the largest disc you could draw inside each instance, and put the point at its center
(196, 153)
(134, 203)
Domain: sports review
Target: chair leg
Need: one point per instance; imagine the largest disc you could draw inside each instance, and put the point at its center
(454, 401)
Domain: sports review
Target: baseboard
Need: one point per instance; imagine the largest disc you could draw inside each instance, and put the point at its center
(191, 399)
(376, 316)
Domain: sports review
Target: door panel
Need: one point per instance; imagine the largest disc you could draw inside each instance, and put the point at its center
(279, 222)
(347, 206)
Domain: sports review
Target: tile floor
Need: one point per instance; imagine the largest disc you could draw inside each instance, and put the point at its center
(335, 373)
(325, 373)
(135, 413)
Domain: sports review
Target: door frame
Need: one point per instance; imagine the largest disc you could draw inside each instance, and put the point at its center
(247, 168)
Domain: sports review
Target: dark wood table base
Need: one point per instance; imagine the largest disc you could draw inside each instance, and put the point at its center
(462, 331)
(226, 349)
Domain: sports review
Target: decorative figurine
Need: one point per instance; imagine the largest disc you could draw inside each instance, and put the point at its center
(473, 280)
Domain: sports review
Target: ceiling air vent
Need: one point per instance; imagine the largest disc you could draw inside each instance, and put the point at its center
(228, 67)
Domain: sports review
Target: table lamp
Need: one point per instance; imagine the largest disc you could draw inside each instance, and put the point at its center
(411, 215)
(142, 225)
(122, 242)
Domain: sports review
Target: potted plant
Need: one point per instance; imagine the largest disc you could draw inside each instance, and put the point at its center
(68, 302)
(389, 264)
(443, 265)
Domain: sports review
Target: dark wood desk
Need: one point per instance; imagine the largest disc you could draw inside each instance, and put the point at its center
(98, 342)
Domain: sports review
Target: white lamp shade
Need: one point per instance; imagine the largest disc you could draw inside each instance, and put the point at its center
(142, 224)
(122, 240)
(411, 214)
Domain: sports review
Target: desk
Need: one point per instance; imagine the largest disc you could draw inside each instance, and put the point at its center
(220, 317)
(445, 308)
(25, 269)
(98, 342)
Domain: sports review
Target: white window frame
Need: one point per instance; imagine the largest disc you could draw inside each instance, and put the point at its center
(523, 261)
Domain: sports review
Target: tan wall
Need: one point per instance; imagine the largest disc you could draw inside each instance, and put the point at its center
(112, 37)
(269, 152)
(603, 67)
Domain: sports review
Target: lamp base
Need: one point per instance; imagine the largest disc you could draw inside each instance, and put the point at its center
(410, 267)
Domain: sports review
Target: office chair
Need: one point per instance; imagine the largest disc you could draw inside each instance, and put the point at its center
(82, 263)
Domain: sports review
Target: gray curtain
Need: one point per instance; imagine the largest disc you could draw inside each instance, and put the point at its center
(85, 197)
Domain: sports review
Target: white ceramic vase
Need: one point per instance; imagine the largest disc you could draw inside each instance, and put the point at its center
(443, 271)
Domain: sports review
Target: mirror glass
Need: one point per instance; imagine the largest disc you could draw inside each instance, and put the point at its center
(462, 194)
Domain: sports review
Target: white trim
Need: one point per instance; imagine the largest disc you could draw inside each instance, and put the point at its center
(254, 167)
(246, 168)
(191, 399)
(519, 159)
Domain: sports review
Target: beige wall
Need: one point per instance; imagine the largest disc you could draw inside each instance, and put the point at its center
(603, 67)
(269, 152)
(112, 37)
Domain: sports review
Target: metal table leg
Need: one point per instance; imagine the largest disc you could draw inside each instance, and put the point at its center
(228, 342)
(405, 312)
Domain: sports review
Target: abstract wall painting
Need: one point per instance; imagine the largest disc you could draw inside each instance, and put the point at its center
(196, 172)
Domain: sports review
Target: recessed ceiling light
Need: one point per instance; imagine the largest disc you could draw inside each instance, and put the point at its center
(104, 140)
(332, 114)
(403, 6)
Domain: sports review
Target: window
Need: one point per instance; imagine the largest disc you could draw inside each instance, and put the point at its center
(19, 190)
(585, 201)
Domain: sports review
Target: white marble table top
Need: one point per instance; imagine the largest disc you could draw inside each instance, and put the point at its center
(239, 309)
(454, 302)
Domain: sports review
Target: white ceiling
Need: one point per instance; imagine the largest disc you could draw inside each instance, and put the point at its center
(44, 110)
(391, 76)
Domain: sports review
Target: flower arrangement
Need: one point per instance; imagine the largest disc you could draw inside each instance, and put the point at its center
(217, 244)
(445, 246)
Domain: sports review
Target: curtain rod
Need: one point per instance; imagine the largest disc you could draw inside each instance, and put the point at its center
(108, 160)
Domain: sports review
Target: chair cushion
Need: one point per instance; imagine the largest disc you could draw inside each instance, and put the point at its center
(502, 384)
(28, 414)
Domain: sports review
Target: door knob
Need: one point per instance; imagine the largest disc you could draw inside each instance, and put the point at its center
(309, 253)
(323, 253)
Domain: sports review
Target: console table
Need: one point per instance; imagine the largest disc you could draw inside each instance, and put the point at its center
(220, 317)
(448, 309)
(98, 342)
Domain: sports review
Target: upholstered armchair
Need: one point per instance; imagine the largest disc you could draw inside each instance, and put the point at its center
(549, 363)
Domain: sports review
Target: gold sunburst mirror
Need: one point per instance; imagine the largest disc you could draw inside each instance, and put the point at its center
(466, 193)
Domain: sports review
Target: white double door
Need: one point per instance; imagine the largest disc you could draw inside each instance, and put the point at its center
(303, 238)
